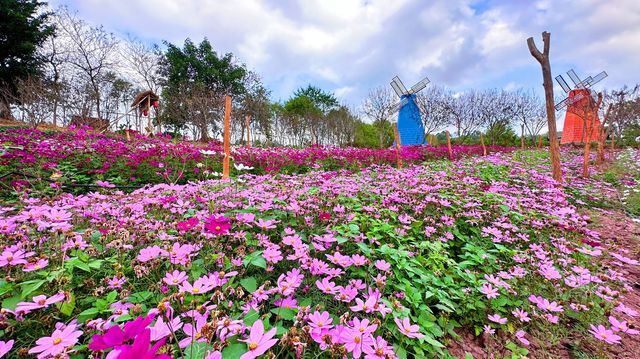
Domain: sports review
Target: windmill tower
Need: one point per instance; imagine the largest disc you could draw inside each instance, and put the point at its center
(410, 126)
(582, 111)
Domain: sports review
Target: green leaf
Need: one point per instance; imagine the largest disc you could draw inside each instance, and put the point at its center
(11, 303)
(255, 259)
(250, 284)
(140, 297)
(31, 286)
(234, 351)
(251, 317)
(284, 313)
(68, 306)
(429, 339)
(111, 297)
(87, 314)
(400, 351)
(196, 350)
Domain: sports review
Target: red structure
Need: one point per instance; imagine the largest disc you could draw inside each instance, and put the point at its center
(581, 120)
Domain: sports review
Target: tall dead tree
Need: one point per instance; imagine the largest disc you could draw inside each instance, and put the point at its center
(543, 59)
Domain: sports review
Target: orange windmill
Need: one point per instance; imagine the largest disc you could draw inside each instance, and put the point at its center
(581, 122)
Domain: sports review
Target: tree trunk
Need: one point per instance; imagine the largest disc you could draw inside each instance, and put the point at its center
(396, 135)
(484, 148)
(5, 109)
(522, 138)
(543, 59)
(449, 146)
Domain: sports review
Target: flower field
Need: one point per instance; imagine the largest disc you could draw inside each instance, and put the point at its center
(75, 160)
(375, 263)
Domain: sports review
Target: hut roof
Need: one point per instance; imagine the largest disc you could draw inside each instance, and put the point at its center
(142, 97)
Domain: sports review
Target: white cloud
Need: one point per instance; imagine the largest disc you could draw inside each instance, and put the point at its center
(353, 45)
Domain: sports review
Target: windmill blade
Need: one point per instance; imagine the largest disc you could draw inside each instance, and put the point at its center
(569, 101)
(395, 108)
(585, 83)
(599, 77)
(573, 77)
(420, 85)
(397, 89)
(400, 85)
(563, 83)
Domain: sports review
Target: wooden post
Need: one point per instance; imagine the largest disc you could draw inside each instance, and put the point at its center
(227, 137)
(449, 146)
(603, 137)
(484, 148)
(589, 126)
(396, 136)
(247, 119)
(149, 124)
(543, 59)
(128, 136)
(539, 141)
(157, 110)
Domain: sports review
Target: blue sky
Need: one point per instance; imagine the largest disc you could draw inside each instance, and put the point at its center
(350, 46)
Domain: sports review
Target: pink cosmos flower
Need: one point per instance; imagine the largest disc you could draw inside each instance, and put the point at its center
(621, 326)
(626, 310)
(521, 314)
(272, 254)
(185, 226)
(175, 278)
(382, 265)
(604, 334)
(327, 286)
(227, 328)
(116, 282)
(266, 224)
(520, 336)
(39, 301)
(62, 338)
(411, 331)
(200, 286)
(354, 341)
(12, 258)
(217, 225)
(380, 349)
(259, 341)
(5, 347)
(319, 320)
(488, 290)
(487, 329)
(39, 264)
(496, 318)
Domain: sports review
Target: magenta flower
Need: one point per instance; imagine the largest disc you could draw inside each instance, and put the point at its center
(520, 336)
(521, 314)
(259, 341)
(380, 349)
(496, 318)
(175, 278)
(411, 331)
(185, 226)
(326, 285)
(39, 301)
(621, 326)
(217, 225)
(604, 334)
(62, 338)
(115, 335)
(354, 341)
(488, 290)
(5, 347)
(382, 265)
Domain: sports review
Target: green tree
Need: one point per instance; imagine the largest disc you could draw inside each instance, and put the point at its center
(325, 101)
(366, 135)
(22, 30)
(194, 73)
(303, 115)
(501, 134)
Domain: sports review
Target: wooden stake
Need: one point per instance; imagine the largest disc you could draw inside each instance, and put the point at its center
(128, 136)
(247, 122)
(484, 148)
(149, 125)
(396, 136)
(449, 146)
(603, 137)
(543, 59)
(539, 141)
(227, 137)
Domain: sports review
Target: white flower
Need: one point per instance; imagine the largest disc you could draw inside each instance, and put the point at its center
(199, 164)
(241, 167)
(208, 152)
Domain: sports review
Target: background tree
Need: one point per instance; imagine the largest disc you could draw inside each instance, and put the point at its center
(377, 107)
(23, 28)
(194, 73)
(433, 103)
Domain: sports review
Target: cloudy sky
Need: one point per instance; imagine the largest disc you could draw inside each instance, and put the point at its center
(350, 46)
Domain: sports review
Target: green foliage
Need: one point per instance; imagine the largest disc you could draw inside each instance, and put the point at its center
(23, 28)
(324, 101)
(366, 135)
(501, 134)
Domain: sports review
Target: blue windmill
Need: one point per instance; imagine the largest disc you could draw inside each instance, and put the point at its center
(410, 125)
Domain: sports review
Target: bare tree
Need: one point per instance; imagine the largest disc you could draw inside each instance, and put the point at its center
(142, 61)
(378, 106)
(33, 99)
(433, 103)
(91, 53)
(543, 59)
(528, 110)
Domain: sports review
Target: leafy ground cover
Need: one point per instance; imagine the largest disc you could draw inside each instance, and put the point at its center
(374, 264)
(76, 160)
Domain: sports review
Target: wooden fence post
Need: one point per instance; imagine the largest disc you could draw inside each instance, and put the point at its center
(484, 148)
(396, 136)
(227, 137)
(247, 121)
(449, 146)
